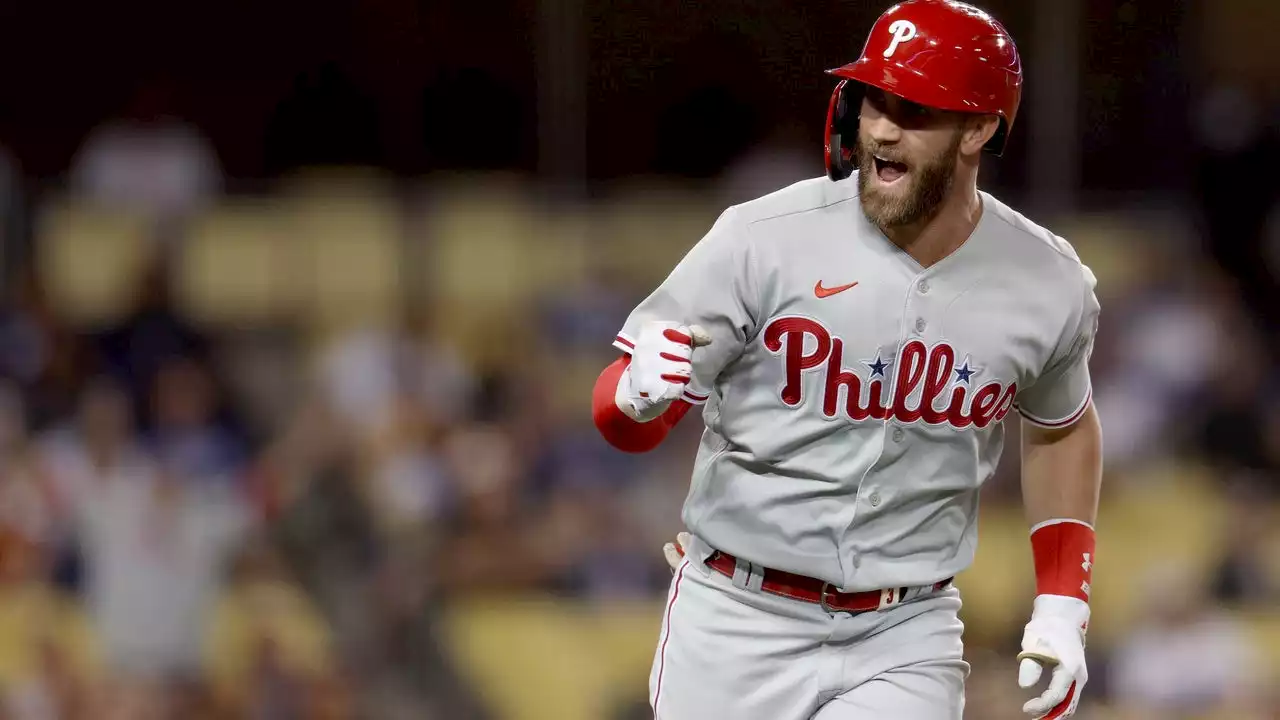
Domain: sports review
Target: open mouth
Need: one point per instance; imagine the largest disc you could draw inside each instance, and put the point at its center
(889, 171)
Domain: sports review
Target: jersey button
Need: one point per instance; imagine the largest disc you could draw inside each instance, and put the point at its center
(921, 324)
(874, 499)
(897, 434)
(923, 287)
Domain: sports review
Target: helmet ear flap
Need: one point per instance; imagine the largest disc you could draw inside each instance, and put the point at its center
(842, 129)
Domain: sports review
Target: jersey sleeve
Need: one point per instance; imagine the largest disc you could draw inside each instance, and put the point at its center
(1062, 392)
(714, 286)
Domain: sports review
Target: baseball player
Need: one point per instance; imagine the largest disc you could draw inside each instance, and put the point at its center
(855, 341)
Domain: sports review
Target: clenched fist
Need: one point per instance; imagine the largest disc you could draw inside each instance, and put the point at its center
(661, 367)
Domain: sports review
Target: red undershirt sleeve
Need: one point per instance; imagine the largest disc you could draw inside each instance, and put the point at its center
(621, 431)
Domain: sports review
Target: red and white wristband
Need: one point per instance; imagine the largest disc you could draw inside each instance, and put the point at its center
(1064, 552)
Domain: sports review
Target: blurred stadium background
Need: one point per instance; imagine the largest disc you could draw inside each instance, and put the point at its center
(302, 304)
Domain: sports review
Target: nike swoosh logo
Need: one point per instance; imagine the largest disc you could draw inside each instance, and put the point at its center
(825, 292)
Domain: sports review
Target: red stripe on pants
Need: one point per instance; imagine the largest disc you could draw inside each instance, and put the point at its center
(662, 652)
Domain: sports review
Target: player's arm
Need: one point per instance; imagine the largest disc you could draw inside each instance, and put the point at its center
(1061, 481)
(1062, 470)
(676, 342)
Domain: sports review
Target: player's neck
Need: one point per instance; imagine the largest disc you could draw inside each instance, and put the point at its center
(931, 240)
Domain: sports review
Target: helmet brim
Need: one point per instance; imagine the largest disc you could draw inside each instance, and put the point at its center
(914, 85)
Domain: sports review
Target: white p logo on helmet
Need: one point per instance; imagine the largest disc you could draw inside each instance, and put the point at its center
(903, 30)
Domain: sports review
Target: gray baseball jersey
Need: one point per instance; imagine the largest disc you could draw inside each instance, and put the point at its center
(853, 399)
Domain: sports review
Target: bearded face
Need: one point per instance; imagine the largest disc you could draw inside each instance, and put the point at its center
(906, 155)
(898, 190)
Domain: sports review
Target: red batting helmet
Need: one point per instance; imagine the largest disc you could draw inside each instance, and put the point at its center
(938, 53)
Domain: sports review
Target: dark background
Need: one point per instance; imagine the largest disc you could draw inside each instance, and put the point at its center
(416, 87)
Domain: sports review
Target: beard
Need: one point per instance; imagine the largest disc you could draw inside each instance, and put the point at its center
(927, 185)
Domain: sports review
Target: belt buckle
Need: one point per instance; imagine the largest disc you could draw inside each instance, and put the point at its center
(822, 599)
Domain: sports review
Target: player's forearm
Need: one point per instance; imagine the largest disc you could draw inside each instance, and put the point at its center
(1061, 480)
(1062, 470)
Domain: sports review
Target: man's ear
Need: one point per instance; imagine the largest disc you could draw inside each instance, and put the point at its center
(977, 131)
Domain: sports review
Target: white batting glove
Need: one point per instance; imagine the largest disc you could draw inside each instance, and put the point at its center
(661, 367)
(1055, 638)
(674, 552)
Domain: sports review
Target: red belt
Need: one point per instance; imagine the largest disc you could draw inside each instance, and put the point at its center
(799, 587)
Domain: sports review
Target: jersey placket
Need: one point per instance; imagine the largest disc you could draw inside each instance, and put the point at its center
(894, 438)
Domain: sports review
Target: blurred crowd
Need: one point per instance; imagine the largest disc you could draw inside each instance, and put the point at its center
(173, 547)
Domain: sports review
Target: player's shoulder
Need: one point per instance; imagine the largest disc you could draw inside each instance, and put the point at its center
(1037, 249)
(806, 196)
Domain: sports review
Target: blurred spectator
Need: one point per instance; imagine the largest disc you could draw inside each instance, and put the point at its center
(988, 689)
(25, 351)
(138, 698)
(266, 647)
(584, 317)
(188, 437)
(25, 502)
(95, 444)
(153, 548)
(1183, 659)
(50, 664)
(153, 334)
(39, 351)
(368, 371)
(608, 558)
(654, 500)
(149, 160)
(493, 544)
(409, 483)
(312, 453)
(1232, 424)
(1150, 369)
(1245, 575)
